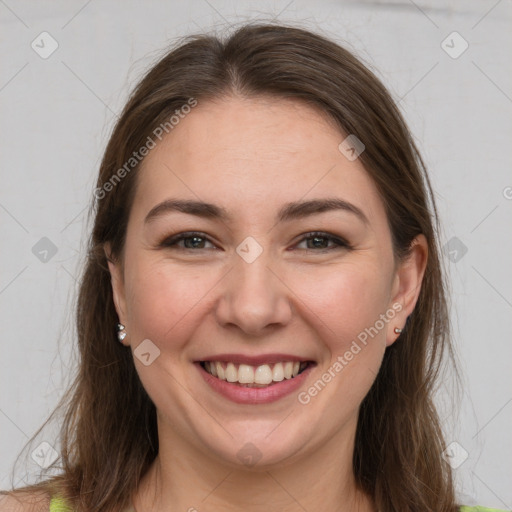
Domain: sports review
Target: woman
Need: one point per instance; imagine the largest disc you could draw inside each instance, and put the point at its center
(262, 313)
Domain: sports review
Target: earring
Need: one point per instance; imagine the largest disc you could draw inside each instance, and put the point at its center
(398, 330)
(121, 335)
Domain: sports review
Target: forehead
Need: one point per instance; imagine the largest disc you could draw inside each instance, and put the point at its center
(245, 153)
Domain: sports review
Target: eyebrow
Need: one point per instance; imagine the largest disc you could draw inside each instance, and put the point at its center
(290, 211)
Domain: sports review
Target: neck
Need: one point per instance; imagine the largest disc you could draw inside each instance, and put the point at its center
(183, 478)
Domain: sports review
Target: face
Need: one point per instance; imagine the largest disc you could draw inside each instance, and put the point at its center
(260, 284)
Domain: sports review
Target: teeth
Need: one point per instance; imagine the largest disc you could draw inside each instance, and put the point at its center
(245, 374)
(288, 370)
(231, 373)
(278, 373)
(264, 374)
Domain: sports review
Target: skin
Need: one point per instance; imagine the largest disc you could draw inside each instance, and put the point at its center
(251, 156)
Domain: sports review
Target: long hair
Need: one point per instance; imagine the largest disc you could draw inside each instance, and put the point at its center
(108, 437)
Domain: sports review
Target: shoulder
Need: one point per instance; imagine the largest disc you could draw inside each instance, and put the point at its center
(21, 501)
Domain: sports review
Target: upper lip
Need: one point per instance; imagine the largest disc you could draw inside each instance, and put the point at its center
(254, 360)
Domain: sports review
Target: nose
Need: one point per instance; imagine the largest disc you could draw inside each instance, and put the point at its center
(254, 297)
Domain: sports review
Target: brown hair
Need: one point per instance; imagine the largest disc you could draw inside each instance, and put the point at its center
(109, 437)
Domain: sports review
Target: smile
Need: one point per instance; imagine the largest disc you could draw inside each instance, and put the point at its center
(254, 376)
(254, 380)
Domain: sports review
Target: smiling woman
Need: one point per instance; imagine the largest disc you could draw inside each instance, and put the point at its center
(262, 314)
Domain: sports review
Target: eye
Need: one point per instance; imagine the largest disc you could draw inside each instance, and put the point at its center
(191, 240)
(196, 240)
(320, 241)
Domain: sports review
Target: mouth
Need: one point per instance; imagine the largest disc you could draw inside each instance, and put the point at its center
(255, 376)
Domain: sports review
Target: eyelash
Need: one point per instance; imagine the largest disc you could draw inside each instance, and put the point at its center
(172, 241)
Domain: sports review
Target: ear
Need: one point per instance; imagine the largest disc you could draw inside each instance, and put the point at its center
(117, 281)
(407, 285)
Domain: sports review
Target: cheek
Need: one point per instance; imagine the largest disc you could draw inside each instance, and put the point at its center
(348, 309)
(162, 299)
(346, 300)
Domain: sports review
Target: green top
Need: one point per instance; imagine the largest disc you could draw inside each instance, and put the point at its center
(479, 509)
(58, 504)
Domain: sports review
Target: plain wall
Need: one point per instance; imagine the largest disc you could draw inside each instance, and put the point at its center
(57, 112)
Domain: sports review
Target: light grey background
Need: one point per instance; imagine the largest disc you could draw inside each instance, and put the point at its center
(56, 115)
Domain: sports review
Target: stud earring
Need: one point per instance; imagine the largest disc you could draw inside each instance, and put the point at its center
(121, 334)
(398, 330)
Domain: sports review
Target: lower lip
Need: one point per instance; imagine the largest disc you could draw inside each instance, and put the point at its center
(243, 395)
